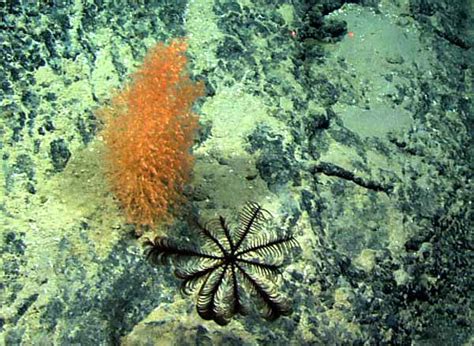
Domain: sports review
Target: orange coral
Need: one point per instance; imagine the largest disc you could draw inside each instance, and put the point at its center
(149, 130)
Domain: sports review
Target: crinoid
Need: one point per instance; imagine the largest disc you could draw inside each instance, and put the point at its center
(230, 266)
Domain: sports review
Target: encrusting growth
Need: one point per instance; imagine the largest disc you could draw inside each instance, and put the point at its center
(148, 133)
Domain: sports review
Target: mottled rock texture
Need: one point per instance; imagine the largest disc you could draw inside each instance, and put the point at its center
(351, 121)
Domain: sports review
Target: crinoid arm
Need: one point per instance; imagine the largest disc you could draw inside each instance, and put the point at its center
(160, 249)
(251, 220)
(210, 305)
(195, 274)
(220, 298)
(269, 245)
(273, 304)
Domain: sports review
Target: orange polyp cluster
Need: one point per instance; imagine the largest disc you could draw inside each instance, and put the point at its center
(149, 131)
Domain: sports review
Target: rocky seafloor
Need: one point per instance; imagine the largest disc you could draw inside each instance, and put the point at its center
(350, 121)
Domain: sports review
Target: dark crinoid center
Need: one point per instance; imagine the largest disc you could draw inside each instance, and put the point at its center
(230, 266)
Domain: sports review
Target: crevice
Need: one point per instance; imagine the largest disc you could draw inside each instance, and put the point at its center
(453, 39)
(333, 170)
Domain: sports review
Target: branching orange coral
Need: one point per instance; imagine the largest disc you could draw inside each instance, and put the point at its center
(148, 134)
